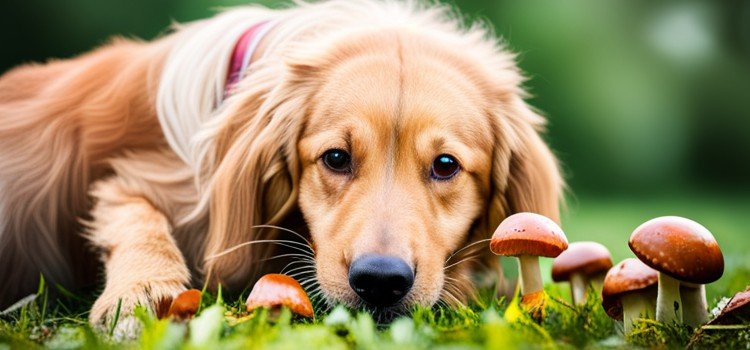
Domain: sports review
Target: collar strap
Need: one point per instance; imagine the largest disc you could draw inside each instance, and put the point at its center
(243, 52)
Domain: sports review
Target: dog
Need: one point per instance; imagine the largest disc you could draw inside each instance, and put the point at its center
(375, 144)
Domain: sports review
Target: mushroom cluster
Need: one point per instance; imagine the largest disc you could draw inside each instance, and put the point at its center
(687, 257)
(677, 257)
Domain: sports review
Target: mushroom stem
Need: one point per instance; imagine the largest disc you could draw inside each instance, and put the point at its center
(578, 288)
(531, 276)
(694, 307)
(597, 282)
(634, 306)
(668, 300)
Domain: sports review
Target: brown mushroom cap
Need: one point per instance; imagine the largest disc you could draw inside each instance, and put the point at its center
(275, 290)
(528, 234)
(629, 275)
(737, 310)
(588, 258)
(185, 305)
(680, 248)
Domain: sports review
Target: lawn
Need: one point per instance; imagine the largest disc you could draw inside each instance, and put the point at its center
(487, 323)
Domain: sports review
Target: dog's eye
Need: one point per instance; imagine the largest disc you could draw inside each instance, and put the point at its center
(444, 167)
(337, 160)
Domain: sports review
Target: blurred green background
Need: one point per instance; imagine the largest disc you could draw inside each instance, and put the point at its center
(648, 101)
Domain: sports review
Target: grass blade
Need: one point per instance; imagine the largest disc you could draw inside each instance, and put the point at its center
(117, 317)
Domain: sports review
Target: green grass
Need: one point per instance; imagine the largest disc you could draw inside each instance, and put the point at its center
(483, 324)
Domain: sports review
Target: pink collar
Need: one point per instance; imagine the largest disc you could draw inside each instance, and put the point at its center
(243, 52)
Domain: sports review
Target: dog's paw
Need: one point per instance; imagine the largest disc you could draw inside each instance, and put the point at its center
(115, 307)
(127, 328)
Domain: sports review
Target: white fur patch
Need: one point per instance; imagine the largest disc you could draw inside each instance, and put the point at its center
(192, 83)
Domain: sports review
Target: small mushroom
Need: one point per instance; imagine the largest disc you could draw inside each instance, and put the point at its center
(182, 307)
(736, 311)
(529, 236)
(579, 264)
(275, 290)
(629, 292)
(683, 251)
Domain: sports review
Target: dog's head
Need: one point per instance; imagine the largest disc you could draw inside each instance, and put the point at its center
(399, 148)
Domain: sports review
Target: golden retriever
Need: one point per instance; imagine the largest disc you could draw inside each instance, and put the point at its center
(385, 133)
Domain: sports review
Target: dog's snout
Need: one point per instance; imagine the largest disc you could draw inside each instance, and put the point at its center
(380, 280)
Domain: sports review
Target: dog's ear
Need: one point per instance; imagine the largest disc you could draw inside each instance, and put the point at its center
(525, 175)
(256, 174)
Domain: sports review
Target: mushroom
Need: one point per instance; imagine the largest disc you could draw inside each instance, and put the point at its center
(684, 251)
(629, 292)
(737, 310)
(275, 290)
(529, 236)
(579, 264)
(183, 307)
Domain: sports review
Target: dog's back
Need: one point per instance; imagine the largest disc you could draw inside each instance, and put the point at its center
(58, 121)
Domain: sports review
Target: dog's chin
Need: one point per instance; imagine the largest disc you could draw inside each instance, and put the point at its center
(387, 315)
(384, 315)
(380, 314)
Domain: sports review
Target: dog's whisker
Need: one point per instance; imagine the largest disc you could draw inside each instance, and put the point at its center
(466, 247)
(314, 295)
(468, 258)
(314, 286)
(300, 268)
(284, 243)
(315, 291)
(287, 266)
(455, 301)
(301, 271)
(304, 267)
(292, 264)
(453, 287)
(309, 282)
(472, 252)
(301, 276)
(298, 274)
(304, 264)
(310, 287)
(298, 245)
(285, 230)
(297, 255)
(310, 264)
(448, 297)
(445, 303)
(452, 279)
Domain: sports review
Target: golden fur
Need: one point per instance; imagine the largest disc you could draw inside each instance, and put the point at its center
(97, 143)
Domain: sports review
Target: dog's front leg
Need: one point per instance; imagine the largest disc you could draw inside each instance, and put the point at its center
(142, 262)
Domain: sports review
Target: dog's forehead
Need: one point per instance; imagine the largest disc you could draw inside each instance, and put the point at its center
(390, 91)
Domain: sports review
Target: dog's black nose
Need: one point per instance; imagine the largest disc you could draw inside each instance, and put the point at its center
(380, 280)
